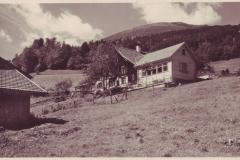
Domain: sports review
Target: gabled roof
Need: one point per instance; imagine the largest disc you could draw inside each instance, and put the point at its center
(129, 54)
(12, 80)
(4, 64)
(159, 55)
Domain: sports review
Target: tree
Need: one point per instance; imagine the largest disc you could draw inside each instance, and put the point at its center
(104, 62)
(85, 49)
(64, 86)
(29, 60)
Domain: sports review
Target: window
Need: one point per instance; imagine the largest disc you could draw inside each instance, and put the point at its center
(144, 73)
(123, 80)
(133, 77)
(165, 67)
(123, 70)
(99, 85)
(149, 72)
(154, 71)
(160, 69)
(183, 67)
(183, 52)
(111, 83)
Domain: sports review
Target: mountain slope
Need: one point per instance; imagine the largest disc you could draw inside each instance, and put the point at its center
(191, 120)
(151, 29)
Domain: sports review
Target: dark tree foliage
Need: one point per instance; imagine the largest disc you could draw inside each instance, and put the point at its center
(104, 62)
(208, 43)
(29, 60)
(51, 54)
(85, 49)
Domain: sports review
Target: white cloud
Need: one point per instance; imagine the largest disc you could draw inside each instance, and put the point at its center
(200, 13)
(65, 27)
(5, 36)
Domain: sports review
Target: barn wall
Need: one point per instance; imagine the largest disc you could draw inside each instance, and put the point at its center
(178, 58)
(14, 109)
(131, 71)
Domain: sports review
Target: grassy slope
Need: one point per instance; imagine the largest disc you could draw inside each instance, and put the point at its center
(49, 78)
(190, 120)
(232, 64)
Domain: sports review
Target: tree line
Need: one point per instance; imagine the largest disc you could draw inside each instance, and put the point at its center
(208, 43)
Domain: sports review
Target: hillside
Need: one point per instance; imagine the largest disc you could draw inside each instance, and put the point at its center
(232, 65)
(191, 120)
(49, 78)
(149, 29)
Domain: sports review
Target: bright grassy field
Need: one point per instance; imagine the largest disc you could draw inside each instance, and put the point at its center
(49, 78)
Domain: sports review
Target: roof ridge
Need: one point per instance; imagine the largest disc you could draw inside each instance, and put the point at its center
(182, 43)
(157, 51)
(32, 81)
(131, 50)
(15, 67)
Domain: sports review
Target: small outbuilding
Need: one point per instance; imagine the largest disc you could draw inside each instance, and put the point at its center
(16, 88)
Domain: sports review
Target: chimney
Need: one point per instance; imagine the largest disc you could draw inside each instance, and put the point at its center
(138, 48)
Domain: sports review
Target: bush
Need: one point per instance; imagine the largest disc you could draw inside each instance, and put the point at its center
(238, 72)
(63, 87)
(227, 71)
(223, 73)
(45, 111)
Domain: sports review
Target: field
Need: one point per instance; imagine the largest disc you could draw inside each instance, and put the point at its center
(196, 119)
(233, 65)
(49, 78)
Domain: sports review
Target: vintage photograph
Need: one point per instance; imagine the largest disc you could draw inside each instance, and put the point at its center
(126, 79)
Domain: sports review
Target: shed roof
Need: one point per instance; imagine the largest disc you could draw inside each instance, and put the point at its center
(159, 54)
(4, 64)
(129, 54)
(12, 80)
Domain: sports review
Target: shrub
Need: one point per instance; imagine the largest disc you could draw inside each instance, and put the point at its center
(227, 71)
(238, 72)
(223, 73)
(63, 87)
(45, 111)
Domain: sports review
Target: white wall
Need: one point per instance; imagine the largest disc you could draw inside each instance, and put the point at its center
(163, 76)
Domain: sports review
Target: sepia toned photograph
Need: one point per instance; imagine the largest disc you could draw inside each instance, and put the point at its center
(124, 79)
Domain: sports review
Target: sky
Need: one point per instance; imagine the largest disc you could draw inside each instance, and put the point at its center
(75, 23)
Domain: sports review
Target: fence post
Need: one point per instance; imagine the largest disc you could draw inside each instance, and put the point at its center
(153, 89)
(93, 98)
(111, 95)
(126, 93)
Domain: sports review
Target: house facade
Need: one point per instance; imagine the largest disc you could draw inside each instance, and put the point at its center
(172, 64)
(16, 88)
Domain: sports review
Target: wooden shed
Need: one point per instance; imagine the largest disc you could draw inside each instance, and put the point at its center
(16, 88)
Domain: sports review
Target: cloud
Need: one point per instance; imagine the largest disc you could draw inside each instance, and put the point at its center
(5, 36)
(65, 27)
(192, 13)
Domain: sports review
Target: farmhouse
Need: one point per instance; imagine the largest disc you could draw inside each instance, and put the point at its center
(172, 64)
(16, 87)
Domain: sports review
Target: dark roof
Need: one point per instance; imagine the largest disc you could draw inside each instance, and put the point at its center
(159, 54)
(129, 54)
(12, 80)
(4, 64)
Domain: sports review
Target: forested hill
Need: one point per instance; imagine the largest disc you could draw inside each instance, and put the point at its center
(148, 29)
(208, 43)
